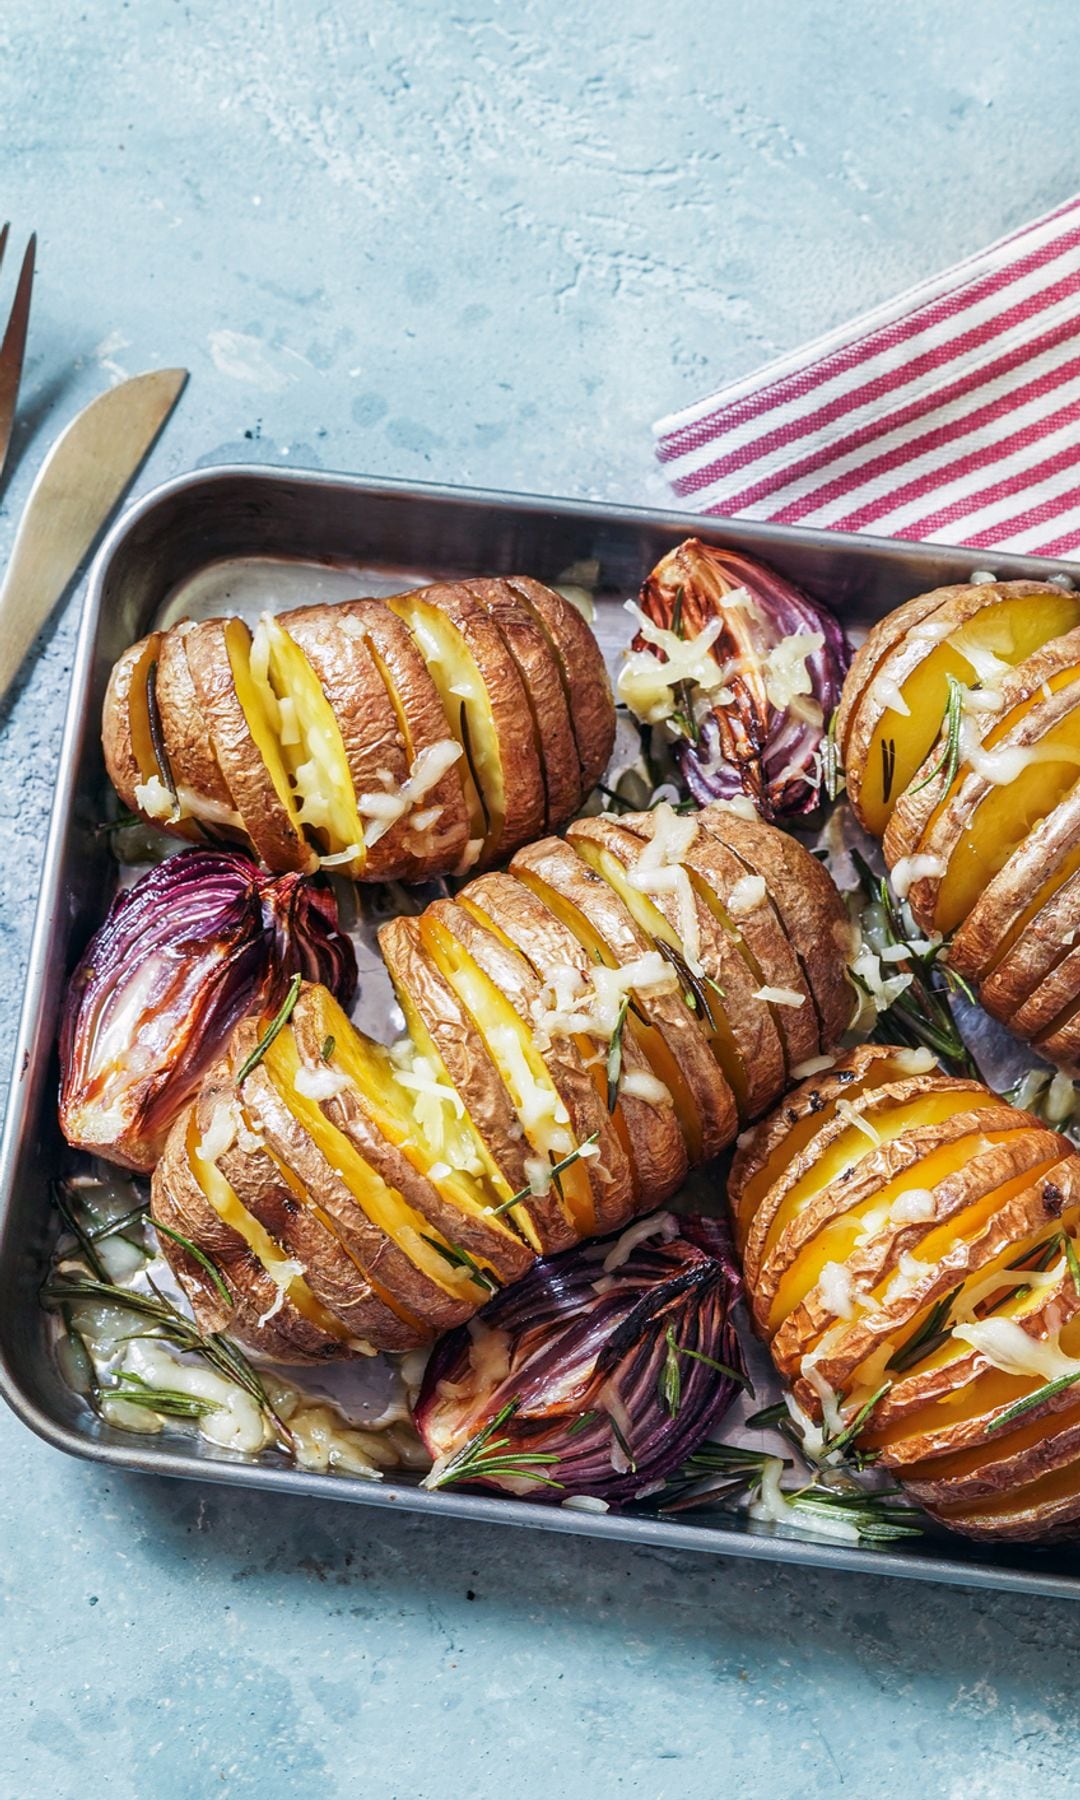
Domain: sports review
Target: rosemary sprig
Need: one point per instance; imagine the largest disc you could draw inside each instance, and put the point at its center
(949, 760)
(460, 1259)
(557, 1169)
(174, 1327)
(174, 1402)
(670, 1381)
(114, 1227)
(921, 1015)
(694, 986)
(616, 798)
(122, 822)
(327, 1050)
(205, 1262)
(277, 1024)
(843, 1440)
(157, 735)
(615, 1054)
(739, 1473)
(62, 1197)
(888, 766)
(1047, 1392)
(483, 1457)
(769, 1417)
(929, 1337)
(1072, 1259)
(620, 1438)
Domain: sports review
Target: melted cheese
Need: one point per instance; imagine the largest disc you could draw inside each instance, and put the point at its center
(393, 803)
(746, 896)
(647, 685)
(1005, 1345)
(910, 869)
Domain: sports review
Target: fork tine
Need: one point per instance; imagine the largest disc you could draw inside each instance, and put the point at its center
(14, 344)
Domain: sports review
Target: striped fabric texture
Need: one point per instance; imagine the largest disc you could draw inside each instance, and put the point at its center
(950, 415)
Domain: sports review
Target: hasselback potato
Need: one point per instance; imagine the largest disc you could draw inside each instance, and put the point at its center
(393, 739)
(581, 1030)
(909, 1247)
(959, 728)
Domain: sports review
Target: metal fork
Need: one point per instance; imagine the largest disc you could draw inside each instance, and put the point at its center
(14, 344)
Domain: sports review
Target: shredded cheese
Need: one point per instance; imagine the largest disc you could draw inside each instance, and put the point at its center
(320, 1083)
(1005, 1345)
(746, 896)
(220, 1133)
(779, 996)
(787, 677)
(659, 870)
(153, 798)
(385, 809)
(647, 684)
(910, 869)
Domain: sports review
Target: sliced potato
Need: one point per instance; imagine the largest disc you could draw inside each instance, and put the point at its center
(485, 706)
(372, 1109)
(1047, 859)
(644, 1111)
(433, 835)
(218, 654)
(555, 1100)
(408, 1263)
(129, 754)
(967, 632)
(537, 663)
(741, 1030)
(810, 911)
(667, 1030)
(584, 676)
(441, 1025)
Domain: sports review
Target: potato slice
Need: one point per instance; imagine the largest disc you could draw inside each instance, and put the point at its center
(268, 1287)
(308, 737)
(261, 1313)
(537, 663)
(584, 676)
(1048, 857)
(129, 753)
(668, 1032)
(976, 827)
(1036, 1445)
(961, 631)
(765, 1152)
(373, 1110)
(644, 1114)
(485, 705)
(554, 1100)
(810, 910)
(218, 653)
(443, 1029)
(851, 1134)
(740, 1029)
(201, 788)
(408, 1263)
(986, 1182)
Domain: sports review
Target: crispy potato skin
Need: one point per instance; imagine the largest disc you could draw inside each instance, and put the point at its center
(997, 870)
(956, 1221)
(547, 690)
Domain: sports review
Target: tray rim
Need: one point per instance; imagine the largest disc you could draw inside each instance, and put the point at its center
(145, 1456)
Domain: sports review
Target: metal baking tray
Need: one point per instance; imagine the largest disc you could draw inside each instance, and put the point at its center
(219, 540)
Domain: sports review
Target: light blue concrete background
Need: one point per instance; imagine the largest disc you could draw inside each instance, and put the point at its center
(481, 243)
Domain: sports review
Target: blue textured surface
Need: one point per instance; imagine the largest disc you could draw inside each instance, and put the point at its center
(486, 244)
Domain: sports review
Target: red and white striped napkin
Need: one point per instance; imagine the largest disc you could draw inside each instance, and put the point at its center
(949, 415)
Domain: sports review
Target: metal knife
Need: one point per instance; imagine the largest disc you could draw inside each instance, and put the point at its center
(78, 488)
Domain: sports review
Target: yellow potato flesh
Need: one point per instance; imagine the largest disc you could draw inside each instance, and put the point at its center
(382, 1204)
(261, 726)
(878, 1074)
(647, 1037)
(987, 1392)
(1009, 630)
(492, 1015)
(835, 1242)
(849, 1148)
(142, 742)
(389, 1105)
(652, 921)
(1001, 821)
(464, 696)
(218, 1192)
(317, 763)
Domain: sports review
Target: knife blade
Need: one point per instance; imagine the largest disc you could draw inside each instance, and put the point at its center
(77, 489)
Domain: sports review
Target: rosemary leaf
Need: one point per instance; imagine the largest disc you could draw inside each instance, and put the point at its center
(199, 1256)
(482, 1456)
(927, 1338)
(670, 1383)
(277, 1024)
(171, 1401)
(1047, 1392)
(615, 1055)
(525, 1193)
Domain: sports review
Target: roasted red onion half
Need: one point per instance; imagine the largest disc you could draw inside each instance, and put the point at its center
(744, 670)
(596, 1374)
(202, 939)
